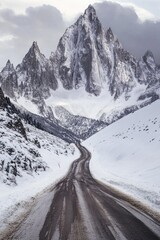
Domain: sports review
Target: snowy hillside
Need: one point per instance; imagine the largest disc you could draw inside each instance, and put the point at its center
(126, 154)
(25, 155)
(30, 161)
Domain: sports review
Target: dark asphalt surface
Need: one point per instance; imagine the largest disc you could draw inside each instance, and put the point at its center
(84, 209)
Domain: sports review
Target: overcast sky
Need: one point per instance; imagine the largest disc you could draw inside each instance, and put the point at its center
(135, 22)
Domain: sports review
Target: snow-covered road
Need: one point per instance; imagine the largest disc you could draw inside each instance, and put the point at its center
(81, 208)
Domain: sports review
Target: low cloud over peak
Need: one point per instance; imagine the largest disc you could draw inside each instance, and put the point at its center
(135, 35)
(45, 24)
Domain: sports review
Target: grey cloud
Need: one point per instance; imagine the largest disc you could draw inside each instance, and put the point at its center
(42, 24)
(152, 6)
(45, 25)
(135, 36)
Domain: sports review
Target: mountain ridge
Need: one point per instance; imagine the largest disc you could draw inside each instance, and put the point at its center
(87, 58)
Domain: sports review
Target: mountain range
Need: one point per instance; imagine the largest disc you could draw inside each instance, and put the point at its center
(89, 63)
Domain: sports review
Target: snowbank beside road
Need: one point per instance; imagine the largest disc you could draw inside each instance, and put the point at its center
(126, 155)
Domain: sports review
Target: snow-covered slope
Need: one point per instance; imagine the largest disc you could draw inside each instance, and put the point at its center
(126, 154)
(80, 126)
(30, 161)
(24, 149)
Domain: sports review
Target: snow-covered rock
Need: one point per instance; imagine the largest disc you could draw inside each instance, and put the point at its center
(8, 80)
(81, 57)
(35, 77)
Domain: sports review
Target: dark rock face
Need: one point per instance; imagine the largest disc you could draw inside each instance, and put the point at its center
(147, 72)
(8, 79)
(10, 85)
(35, 75)
(79, 52)
(2, 100)
(109, 35)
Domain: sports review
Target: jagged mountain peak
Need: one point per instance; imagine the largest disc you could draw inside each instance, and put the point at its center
(78, 51)
(111, 38)
(90, 9)
(149, 60)
(35, 76)
(90, 12)
(109, 35)
(35, 45)
(8, 80)
(89, 20)
(35, 48)
(9, 64)
(33, 59)
(148, 55)
(8, 68)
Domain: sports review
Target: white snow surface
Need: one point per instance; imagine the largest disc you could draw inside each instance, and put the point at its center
(79, 102)
(126, 155)
(54, 154)
(27, 104)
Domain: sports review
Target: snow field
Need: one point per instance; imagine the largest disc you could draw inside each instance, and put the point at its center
(126, 155)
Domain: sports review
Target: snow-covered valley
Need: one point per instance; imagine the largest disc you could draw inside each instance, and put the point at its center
(126, 155)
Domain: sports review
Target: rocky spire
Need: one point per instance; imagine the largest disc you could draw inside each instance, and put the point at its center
(8, 69)
(90, 12)
(90, 20)
(35, 48)
(149, 60)
(78, 51)
(109, 35)
(111, 38)
(148, 55)
(34, 58)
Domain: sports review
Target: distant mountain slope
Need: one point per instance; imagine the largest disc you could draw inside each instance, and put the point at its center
(126, 154)
(80, 126)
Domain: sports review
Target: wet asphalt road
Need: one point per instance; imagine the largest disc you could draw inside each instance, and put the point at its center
(84, 209)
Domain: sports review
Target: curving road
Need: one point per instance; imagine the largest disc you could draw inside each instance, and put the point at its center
(83, 209)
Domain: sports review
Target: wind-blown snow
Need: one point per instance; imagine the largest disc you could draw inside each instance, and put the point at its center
(126, 154)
